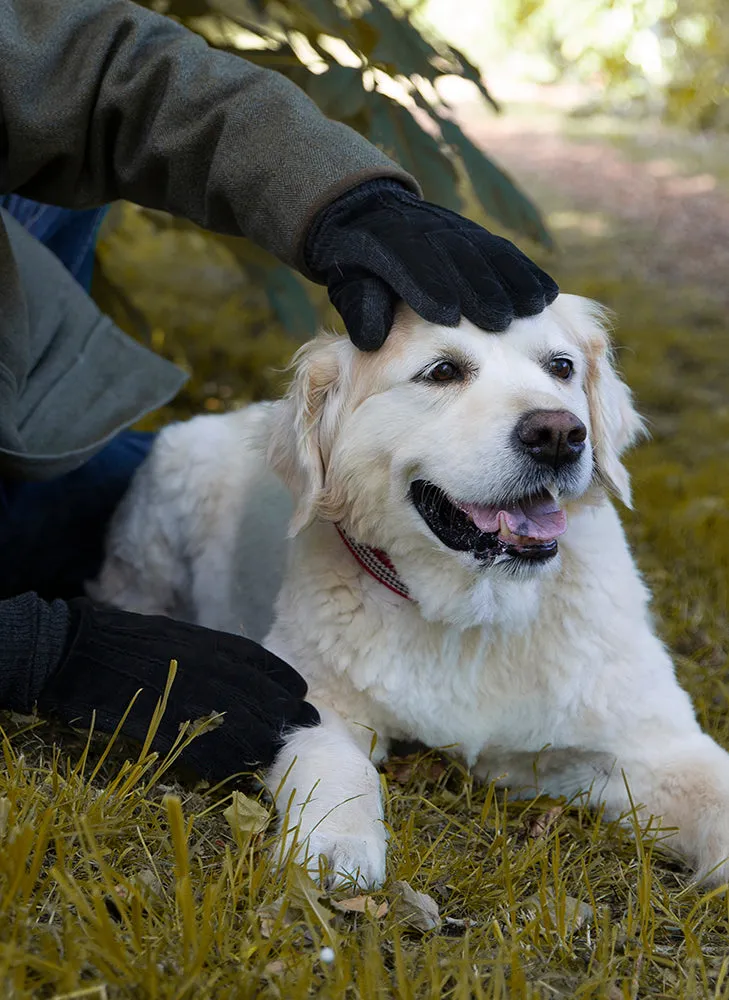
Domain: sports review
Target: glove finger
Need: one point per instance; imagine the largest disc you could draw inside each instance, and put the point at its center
(483, 299)
(252, 705)
(223, 752)
(239, 653)
(247, 746)
(549, 285)
(367, 305)
(529, 288)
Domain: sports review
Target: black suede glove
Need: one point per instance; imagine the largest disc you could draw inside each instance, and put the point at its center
(380, 243)
(111, 654)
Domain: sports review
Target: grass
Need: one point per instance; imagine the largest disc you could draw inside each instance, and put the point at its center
(118, 881)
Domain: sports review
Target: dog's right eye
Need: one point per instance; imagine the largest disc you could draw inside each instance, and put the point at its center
(445, 371)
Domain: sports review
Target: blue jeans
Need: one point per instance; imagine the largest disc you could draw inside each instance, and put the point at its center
(71, 235)
(52, 533)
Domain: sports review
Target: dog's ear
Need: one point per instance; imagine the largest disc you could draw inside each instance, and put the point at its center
(307, 422)
(615, 423)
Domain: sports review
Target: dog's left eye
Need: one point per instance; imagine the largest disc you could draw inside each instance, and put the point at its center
(445, 371)
(560, 368)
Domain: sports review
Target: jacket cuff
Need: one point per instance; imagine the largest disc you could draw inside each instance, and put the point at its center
(349, 189)
(33, 637)
(348, 199)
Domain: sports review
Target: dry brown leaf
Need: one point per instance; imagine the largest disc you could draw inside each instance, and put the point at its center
(302, 897)
(416, 909)
(269, 914)
(148, 882)
(537, 826)
(400, 769)
(245, 816)
(576, 912)
(308, 897)
(275, 968)
(205, 724)
(361, 904)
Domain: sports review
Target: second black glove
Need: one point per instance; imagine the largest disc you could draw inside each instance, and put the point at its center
(111, 654)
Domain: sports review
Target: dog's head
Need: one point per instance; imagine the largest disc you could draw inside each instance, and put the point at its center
(454, 450)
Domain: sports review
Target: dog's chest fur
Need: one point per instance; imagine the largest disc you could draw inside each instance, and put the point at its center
(372, 657)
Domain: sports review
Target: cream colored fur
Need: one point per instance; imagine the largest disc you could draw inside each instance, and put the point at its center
(546, 679)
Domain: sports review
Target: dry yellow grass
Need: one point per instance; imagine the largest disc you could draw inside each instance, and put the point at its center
(115, 881)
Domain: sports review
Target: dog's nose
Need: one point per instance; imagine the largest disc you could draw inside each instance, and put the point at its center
(552, 437)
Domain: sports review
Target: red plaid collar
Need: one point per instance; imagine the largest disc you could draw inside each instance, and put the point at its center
(377, 563)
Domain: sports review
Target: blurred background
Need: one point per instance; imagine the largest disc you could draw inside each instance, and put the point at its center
(595, 134)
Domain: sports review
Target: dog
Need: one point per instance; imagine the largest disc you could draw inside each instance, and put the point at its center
(454, 572)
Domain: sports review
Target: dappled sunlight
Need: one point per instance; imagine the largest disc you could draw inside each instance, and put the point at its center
(588, 223)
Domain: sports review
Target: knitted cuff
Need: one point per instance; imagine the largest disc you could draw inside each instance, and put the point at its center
(33, 636)
(344, 203)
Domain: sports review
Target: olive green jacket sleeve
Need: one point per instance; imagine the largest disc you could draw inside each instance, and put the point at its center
(103, 99)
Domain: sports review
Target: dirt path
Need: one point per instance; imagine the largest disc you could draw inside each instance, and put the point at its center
(669, 214)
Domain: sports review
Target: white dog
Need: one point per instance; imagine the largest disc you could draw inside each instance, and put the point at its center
(456, 574)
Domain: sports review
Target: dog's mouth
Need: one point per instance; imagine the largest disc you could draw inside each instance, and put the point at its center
(525, 529)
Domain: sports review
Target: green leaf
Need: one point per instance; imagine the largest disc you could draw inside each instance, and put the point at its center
(400, 47)
(320, 15)
(339, 92)
(365, 38)
(470, 72)
(396, 132)
(496, 191)
(290, 303)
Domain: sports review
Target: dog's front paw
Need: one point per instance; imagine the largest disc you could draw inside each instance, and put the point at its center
(346, 860)
(331, 818)
(338, 858)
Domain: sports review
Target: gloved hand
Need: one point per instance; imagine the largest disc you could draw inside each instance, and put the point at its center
(110, 654)
(380, 243)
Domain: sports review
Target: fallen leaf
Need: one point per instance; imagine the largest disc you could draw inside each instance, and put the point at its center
(416, 909)
(458, 923)
(306, 894)
(537, 826)
(148, 882)
(246, 816)
(275, 968)
(269, 914)
(576, 913)
(302, 898)
(205, 724)
(22, 719)
(400, 769)
(361, 904)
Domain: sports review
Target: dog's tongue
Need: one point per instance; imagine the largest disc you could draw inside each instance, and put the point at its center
(540, 520)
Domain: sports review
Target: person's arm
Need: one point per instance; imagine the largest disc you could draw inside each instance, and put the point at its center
(79, 662)
(102, 99)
